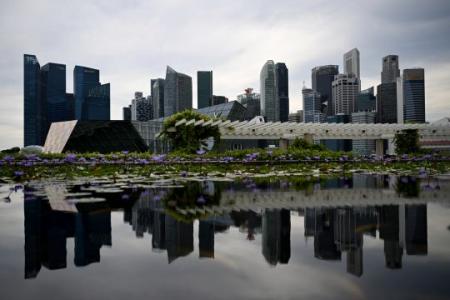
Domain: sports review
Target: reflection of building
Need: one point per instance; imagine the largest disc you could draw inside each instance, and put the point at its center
(276, 239)
(206, 239)
(179, 238)
(416, 229)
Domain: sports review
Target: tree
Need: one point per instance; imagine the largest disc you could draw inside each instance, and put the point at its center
(407, 141)
(189, 138)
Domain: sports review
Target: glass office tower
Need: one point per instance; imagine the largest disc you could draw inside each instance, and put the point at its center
(414, 95)
(322, 78)
(53, 90)
(177, 92)
(387, 103)
(204, 88)
(282, 87)
(270, 109)
(92, 99)
(158, 98)
(34, 117)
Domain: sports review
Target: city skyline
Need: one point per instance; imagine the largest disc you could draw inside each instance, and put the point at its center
(128, 62)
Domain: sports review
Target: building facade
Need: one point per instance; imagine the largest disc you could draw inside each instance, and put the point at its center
(53, 89)
(158, 98)
(390, 70)
(414, 95)
(218, 100)
(351, 63)
(296, 117)
(364, 147)
(282, 90)
(84, 79)
(141, 108)
(270, 108)
(322, 78)
(177, 92)
(252, 102)
(387, 103)
(312, 105)
(345, 90)
(126, 113)
(34, 107)
(366, 100)
(204, 88)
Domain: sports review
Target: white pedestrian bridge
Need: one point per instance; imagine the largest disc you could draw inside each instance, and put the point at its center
(284, 131)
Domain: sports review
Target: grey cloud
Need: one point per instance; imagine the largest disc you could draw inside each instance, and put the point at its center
(133, 41)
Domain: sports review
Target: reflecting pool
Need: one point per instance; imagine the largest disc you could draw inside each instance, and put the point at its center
(359, 237)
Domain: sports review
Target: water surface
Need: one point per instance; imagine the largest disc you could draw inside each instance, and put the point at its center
(365, 237)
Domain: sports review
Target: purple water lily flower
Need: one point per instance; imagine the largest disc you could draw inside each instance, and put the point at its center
(200, 152)
(183, 174)
(201, 200)
(18, 173)
(125, 152)
(158, 158)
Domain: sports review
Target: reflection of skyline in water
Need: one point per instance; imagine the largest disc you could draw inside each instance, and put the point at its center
(337, 231)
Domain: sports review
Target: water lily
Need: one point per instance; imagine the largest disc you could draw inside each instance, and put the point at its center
(200, 152)
(18, 173)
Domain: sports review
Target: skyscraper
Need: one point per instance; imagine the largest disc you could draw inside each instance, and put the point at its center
(252, 102)
(97, 103)
(270, 108)
(387, 103)
(53, 89)
(282, 90)
(126, 113)
(351, 63)
(312, 106)
(414, 95)
(366, 101)
(204, 88)
(391, 69)
(177, 92)
(34, 117)
(141, 108)
(345, 89)
(322, 78)
(92, 99)
(158, 98)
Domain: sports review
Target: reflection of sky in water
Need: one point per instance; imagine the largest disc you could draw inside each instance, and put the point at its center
(120, 258)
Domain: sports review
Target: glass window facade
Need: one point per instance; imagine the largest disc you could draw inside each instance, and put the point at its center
(204, 88)
(177, 92)
(232, 110)
(322, 78)
(387, 103)
(414, 95)
(34, 117)
(282, 84)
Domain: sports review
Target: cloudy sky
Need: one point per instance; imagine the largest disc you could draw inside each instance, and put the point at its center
(132, 41)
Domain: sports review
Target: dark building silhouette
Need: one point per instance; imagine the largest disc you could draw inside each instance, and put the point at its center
(389, 232)
(205, 89)
(92, 231)
(387, 103)
(322, 78)
(53, 88)
(282, 90)
(179, 238)
(276, 239)
(159, 231)
(414, 95)
(92, 99)
(206, 239)
(34, 105)
(219, 100)
(126, 113)
(416, 236)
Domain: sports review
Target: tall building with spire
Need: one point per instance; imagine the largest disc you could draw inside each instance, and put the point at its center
(177, 92)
